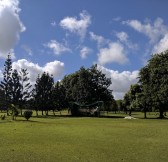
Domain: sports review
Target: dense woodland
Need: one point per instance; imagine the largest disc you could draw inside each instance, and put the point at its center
(85, 86)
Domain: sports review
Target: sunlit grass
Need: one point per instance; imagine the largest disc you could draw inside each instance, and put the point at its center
(83, 139)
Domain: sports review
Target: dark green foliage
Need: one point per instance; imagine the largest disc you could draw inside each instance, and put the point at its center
(27, 114)
(6, 84)
(131, 98)
(87, 86)
(42, 92)
(59, 97)
(16, 88)
(154, 80)
(2, 100)
(25, 88)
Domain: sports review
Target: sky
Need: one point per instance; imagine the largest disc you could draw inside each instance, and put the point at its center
(60, 36)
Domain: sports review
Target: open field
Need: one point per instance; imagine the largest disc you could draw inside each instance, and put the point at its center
(84, 139)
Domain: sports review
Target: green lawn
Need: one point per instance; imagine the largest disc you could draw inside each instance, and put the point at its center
(68, 139)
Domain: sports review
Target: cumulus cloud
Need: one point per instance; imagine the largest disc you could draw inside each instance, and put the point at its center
(57, 47)
(153, 31)
(56, 68)
(10, 25)
(84, 52)
(124, 38)
(75, 25)
(101, 41)
(114, 53)
(121, 81)
(162, 45)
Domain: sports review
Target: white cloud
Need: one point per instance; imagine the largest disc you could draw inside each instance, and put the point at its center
(153, 31)
(99, 39)
(122, 36)
(162, 45)
(10, 25)
(84, 52)
(121, 81)
(114, 53)
(56, 68)
(57, 47)
(78, 26)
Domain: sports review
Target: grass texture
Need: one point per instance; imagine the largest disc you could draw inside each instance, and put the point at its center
(68, 139)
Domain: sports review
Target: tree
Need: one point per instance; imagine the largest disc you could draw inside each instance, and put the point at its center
(42, 92)
(6, 84)
(59, 97)
(27, 114)
(130, 98)
(87, 86)
(16, 88)
(100, 85)
(25, 87)
(2, 100)
(154, 80)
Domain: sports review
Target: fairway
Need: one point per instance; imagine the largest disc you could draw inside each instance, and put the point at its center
(83, 140)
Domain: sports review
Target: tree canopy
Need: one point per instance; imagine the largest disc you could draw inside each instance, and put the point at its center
(87, 86)
(154, 80)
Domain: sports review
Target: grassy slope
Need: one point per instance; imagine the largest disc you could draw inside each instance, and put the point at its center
(83, 139)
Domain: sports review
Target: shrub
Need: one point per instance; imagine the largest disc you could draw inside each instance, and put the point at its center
(27, 114)
(14, 111)
(3, 117)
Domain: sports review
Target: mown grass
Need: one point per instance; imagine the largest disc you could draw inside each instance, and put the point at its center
(59, 139)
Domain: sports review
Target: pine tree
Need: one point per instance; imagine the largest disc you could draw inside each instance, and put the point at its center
(6, 84)
(25, 87)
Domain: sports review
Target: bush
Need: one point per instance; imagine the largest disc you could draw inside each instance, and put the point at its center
(3, 117)
(27, 114)
(13, 111)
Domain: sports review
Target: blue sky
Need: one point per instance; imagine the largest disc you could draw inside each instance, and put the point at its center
(60, 36)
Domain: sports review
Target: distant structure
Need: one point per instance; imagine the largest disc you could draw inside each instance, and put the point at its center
(77, 109)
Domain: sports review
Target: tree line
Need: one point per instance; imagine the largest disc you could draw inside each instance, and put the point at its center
(151, 91)
(85, 86)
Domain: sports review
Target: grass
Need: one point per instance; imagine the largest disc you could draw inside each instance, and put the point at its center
(68, 139)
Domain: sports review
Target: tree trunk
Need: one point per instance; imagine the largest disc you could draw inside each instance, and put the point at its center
(145, 112)
(161, 116)
(46, 112)
(37, 113)
(54, 112)
(21, 112)
(42, 112)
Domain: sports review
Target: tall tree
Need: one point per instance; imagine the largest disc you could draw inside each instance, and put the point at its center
(25, 87)
(2, 100)
(16, 88)
(58, 97)
(154, 80)
(87, 86)
(6, 84)
(100, 85)
(43, 92)
(131, 97)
